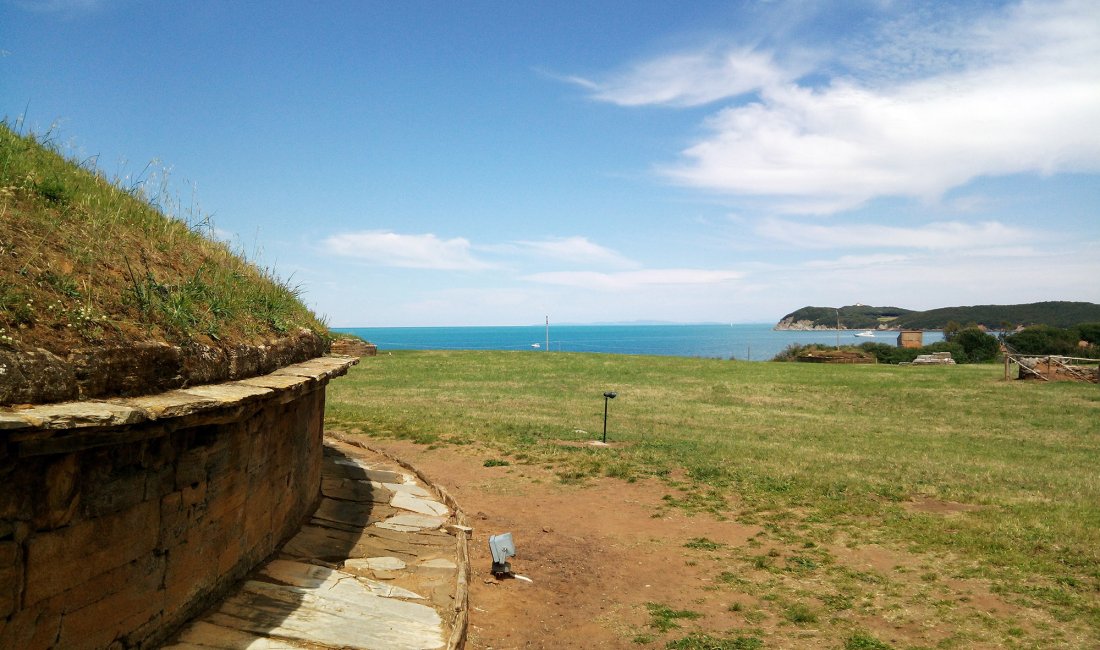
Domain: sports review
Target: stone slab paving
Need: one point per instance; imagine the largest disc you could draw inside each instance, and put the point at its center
(376, 567)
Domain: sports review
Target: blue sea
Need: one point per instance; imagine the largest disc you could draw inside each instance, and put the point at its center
(753, 342)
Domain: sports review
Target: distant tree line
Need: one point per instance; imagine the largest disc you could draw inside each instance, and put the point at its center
(1063, 314)
(971, 344)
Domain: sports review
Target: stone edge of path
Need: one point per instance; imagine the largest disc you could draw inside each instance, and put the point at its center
(461, 618)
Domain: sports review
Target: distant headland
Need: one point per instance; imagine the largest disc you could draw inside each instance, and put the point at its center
(864, 317)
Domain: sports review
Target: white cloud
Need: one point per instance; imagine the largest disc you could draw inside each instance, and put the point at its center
(1019, 93)
(689, 78)
(856, 261)
(629, 280)
(951, 235)
(385, 248)
(576, 250)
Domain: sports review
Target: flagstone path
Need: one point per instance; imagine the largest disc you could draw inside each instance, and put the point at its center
(382, 564)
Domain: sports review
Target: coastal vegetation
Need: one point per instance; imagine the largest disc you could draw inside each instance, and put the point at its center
(87, 260)
(971, 344)
(961, 476)
(966, 345)
(1063, 314)
(1080, 341)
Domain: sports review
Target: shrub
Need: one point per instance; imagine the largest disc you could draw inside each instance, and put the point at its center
(978, 346)
(1043, 339)
(890, 353)
(1089, 332)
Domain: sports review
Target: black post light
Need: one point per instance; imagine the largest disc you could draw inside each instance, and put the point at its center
(609, 395)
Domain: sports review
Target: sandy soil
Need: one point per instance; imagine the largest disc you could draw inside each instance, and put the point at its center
(596, 553)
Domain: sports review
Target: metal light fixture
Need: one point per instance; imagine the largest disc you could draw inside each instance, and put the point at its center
(609, 395)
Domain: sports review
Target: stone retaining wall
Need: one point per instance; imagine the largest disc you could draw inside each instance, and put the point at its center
(38, 376)
(121, 519)
(354, 347)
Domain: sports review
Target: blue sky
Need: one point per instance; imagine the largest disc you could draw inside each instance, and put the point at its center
(492, 163)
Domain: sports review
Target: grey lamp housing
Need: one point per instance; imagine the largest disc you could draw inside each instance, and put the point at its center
(502, 547)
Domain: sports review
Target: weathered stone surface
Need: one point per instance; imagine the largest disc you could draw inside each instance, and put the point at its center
(61, 497)
(202, 635)
(411, 522)
(384, 563)
(408, 488)
(50, 555)
(228, 394)
(126, 370)
(347, 489)
(78, 415)
(438, 563)
(385, 477)
(34, 376)
(338, 612)
(12, 420)
(37, 376)
(344, 512)
(320, 367)
(301, 598)
(170, 404)
(121, 518)
(11, 577)
(406, 501)
(288, 383)
(354, 347)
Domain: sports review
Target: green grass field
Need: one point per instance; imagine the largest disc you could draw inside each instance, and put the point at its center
(815, 452)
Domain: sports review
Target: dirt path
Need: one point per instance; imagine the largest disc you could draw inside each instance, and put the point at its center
(600, 554)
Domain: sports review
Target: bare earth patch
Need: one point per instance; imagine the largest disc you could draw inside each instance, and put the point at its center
(601, 553)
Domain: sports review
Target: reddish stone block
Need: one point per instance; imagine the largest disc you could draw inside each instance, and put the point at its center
(113, 616)
(35, 628)
(11, 577)
(98, 544)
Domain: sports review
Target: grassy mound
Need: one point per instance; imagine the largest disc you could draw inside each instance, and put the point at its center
(85, 263)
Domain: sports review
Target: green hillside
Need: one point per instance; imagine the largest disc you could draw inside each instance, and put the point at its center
(85, 263)
(1054, 313)
(849, 317)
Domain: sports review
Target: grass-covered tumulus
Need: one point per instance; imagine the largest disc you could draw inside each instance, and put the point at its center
(85, 263)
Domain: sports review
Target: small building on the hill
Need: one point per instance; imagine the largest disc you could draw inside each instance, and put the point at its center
(911, 339)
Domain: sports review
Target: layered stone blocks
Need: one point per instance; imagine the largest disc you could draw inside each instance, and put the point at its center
(119, 520)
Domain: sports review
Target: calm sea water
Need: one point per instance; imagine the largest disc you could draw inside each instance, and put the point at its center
(756, 342)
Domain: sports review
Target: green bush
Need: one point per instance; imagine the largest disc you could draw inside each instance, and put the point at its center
(1089, 332)
(1043, 339)
(978, 346)
(890, 353)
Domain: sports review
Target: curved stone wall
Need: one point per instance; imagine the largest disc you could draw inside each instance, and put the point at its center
(121, 519)
(38, 376)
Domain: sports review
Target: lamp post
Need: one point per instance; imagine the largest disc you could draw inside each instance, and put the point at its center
(609, 395)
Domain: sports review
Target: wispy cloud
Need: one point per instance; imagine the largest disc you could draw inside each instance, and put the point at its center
(572, 250)
(426, 251)
(1012, 92)
(689, 78)
(629, 280)
(856, 261)
(951, 235)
